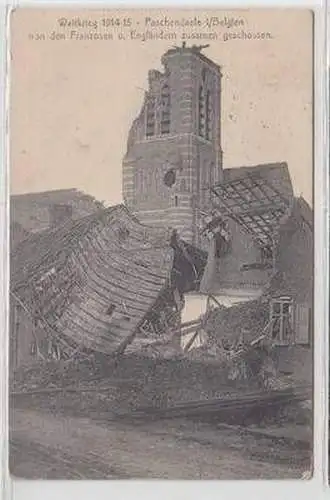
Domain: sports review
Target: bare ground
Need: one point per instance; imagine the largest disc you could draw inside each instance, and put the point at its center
(78, 435)
(48, 446)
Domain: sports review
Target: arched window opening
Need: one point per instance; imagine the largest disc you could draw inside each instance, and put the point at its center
(201, 111)
(208, 118)
(205, 110)
(165, 110)
(151, 118)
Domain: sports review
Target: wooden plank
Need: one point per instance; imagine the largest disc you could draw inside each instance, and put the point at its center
(110, 285)
(192, 340)
(121, 277)
(189, 323)
(213, 299)
(105, 342)
(95, 318)
(93, 328)
(111, 296)
(151, 257)
(190, 329)
(126, 265)
(24, 307)
(150, 269)
(103, 299)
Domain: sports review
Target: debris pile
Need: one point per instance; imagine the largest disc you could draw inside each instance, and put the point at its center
(127, 382)
(244, 321)
(239, 336)
(106, 389)
(237, 352)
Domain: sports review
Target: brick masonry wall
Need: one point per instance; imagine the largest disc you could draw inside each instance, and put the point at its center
(196, 161)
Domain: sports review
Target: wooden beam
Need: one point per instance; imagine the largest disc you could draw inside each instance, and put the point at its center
(211, 297)
(237, 217)
(192, 340)
(227, 208)
(22, 305)
(255, 234)
(256, 182)
(190, 323)
(237, 190)
(259, 182)
(271, 207)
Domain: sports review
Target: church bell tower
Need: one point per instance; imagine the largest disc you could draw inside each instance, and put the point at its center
(174, 149)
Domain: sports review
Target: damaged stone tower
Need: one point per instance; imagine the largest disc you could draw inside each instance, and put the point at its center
(174, 148)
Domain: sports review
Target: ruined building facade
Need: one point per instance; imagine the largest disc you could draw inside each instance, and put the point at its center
(173, 176)
(174, 149)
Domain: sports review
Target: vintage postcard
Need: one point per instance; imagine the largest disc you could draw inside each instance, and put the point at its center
(161, 244)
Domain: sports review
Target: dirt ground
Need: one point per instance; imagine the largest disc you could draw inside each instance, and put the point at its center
(78, 435)
(47, 446)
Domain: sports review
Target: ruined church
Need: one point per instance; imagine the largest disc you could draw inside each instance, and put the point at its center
(258, 235)
(174, 147)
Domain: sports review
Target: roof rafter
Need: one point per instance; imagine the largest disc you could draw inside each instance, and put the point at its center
(255, 204)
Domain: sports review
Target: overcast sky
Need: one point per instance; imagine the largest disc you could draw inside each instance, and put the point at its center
(72, 101)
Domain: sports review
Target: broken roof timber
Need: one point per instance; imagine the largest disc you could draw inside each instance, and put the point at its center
(254, 202)
(275, 173)
(70, 276)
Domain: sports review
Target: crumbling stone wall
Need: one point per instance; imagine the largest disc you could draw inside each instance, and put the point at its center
(193, 161)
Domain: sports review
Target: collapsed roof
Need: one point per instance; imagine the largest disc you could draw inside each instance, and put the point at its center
(257, 198)
(92, 281)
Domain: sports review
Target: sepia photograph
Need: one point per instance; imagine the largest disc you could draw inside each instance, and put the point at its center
(161, 244)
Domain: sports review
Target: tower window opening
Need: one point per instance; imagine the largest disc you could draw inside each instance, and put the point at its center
(201, 111)
(176, 201)
(204, 111)
(150, 119)
(165, 110)
(208, 117)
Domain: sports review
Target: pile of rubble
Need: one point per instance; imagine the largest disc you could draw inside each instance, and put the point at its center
(127, 383)
(245, 321)
(238, 336)
(237, 357)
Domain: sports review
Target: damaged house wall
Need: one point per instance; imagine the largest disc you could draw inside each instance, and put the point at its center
(174, 151)
(253, 200)
(231, 279)
(90, 284)
(295, 261)
(270, 252)
(34, 212)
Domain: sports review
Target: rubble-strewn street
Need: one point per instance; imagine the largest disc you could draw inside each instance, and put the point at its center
(81, 428)
(42, 444)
